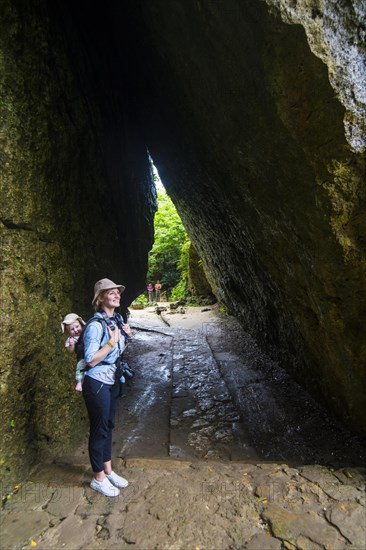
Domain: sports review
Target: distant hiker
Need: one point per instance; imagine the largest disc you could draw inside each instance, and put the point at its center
(150, 290)
(73, 324)
(103, 345)
(157, 290)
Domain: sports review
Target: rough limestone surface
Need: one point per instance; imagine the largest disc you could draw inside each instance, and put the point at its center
(197, 280)
(209, 505)
(65, 217)
(336, 34)
(246, 127)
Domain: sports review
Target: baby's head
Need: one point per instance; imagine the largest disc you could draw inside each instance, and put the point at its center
(74, 329)
(73, 324)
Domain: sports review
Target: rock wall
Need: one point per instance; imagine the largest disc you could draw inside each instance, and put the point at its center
(77, 205)
(198, 284)
(247, 130)
(336, 33)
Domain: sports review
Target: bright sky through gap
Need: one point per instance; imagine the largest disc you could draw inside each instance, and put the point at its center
(158, 183)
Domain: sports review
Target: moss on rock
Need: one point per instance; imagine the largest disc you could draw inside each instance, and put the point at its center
(63, 204)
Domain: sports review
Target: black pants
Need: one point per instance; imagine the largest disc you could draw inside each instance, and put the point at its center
(101, 401)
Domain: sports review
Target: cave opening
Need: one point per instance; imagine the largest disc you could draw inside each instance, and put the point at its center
(172, 262)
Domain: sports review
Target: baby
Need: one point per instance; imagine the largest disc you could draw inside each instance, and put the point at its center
(73, 324)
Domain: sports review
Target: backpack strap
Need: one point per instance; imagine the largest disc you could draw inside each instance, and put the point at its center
(119, 321)
(79, 346)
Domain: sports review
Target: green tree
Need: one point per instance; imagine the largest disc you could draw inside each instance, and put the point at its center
(181, 288)
(165, 257)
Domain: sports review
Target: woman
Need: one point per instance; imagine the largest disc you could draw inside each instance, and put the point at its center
(103, 344)
(150, 290)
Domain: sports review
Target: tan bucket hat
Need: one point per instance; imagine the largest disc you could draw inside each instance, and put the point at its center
(71, 318)
(105, 284)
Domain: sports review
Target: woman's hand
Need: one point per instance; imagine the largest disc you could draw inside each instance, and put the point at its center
(114, 338)
(114, 335)
(127, 329)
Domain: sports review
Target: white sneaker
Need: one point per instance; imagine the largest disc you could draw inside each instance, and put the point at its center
(117, 480)
(105, 487)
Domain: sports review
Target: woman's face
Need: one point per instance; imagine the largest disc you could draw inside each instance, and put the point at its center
(74, 329)
(111, 298)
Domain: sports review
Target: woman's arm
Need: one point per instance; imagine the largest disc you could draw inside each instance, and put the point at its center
(127, 329)
(95, 356)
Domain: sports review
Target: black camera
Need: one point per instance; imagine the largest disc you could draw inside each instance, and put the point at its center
(127, 372)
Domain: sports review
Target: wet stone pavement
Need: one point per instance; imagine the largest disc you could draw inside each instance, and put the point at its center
(180, 406)
(221, 448)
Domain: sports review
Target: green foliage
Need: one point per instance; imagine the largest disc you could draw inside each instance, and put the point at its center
(166, 261)
(141, 300)
(180, 290)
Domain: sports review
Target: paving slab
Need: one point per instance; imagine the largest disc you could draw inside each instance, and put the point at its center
(19, 528)
(71, 534)
(309, 527)
(263, 541)
(350, 518)
(159, 463)
(59, 474)
(64, 501)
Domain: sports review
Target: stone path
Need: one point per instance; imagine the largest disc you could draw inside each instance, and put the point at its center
(196, 482)
(180, 406)
(190, 505)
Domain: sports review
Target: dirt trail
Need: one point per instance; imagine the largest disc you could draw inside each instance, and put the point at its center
(222, 451)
